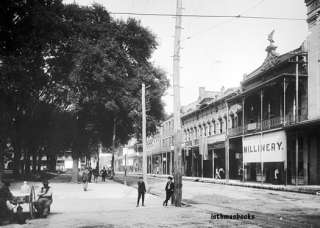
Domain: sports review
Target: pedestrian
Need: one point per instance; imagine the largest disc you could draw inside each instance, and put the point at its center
(217, 174)
(103, 174)
(141, 191)
(45, 200)
(169, 191)
(221, 173)
(85, 179)
(95, 175)
(90, 174)
(276, 176)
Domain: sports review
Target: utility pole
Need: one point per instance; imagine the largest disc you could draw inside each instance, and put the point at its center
(176, 108)
(125, 168)
(113, 147)
(144, 136)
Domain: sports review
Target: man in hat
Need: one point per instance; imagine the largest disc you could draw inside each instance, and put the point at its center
(45, 200)
(169, 191)
(141, 191)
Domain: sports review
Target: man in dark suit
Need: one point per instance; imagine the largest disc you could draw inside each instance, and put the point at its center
(141, 191)
(169, 191)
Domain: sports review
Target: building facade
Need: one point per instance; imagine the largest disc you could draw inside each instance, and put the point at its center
(267, 130)
(160, 149)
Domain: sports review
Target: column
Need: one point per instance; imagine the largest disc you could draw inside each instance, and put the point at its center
(192, 163)
(243, 131)
(305, 159)
(171, 162)
(213, 169)
(297, 158)
(161, 163)
(261, 120)
(227, 144)
(167, 167)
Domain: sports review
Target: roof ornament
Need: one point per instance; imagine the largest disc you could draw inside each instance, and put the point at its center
(271, 49)
(270, 37)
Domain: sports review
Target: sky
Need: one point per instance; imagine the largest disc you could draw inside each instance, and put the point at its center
(215, 52)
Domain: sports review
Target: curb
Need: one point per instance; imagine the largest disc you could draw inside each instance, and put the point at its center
(195, 179)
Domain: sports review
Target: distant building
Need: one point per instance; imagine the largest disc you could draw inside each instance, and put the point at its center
(129, 157)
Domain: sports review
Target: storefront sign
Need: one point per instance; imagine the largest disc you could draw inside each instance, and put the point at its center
(270, 147)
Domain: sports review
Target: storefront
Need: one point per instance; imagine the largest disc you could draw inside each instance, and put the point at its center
(264, 157)
(219, 157)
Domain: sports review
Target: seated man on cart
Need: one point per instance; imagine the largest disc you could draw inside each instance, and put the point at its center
(7, 203)
(44, 201)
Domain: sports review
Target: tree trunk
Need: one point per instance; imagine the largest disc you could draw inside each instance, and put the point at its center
(34, 162)
(27, 161)
(16, 162)
(39, 161)
(52, 163)
(1, 163)
(75, 171)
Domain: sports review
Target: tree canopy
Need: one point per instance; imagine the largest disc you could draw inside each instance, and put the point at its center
(69, 75)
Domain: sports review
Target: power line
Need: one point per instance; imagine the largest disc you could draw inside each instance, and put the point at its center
(227, 21)
(208, 16)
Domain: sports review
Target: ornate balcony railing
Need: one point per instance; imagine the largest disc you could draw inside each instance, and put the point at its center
(235, 131)
(252, 127)
(216, 138)
(272, 123)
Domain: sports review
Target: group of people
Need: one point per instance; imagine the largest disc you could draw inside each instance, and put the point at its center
(88, 172)
(10, 208)
(169, 188)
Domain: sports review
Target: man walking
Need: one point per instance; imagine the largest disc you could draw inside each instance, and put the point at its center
(169, 191)
(103, 174)
(90, 174)
(141, 191)
(85, 179)
(95, 175)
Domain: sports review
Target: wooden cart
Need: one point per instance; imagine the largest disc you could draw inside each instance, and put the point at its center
(27, 198)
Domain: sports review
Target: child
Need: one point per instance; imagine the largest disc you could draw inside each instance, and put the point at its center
(169, 191)
(141, 191)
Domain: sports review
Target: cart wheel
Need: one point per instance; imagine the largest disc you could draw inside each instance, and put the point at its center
(32, 199)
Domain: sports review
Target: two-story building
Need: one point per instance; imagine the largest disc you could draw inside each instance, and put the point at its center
(268, 129)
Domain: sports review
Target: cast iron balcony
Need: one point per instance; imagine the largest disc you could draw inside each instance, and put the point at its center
(235, 131)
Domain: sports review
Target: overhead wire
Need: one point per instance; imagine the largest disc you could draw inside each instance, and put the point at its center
(208, 16)
(226, 22)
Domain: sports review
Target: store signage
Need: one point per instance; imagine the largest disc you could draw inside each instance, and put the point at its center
(270, 147)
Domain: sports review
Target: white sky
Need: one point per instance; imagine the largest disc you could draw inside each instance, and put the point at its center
(219, 51)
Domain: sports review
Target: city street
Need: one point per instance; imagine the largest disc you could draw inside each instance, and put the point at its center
(112, 204)
(271, 208)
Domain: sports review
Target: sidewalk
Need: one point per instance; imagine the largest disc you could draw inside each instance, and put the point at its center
(306, 189)
(110, 204)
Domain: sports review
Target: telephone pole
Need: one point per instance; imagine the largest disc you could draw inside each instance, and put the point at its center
(144, 137)
(176, 107)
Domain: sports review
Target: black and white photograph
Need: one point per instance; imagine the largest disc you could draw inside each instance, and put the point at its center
(159, 113)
